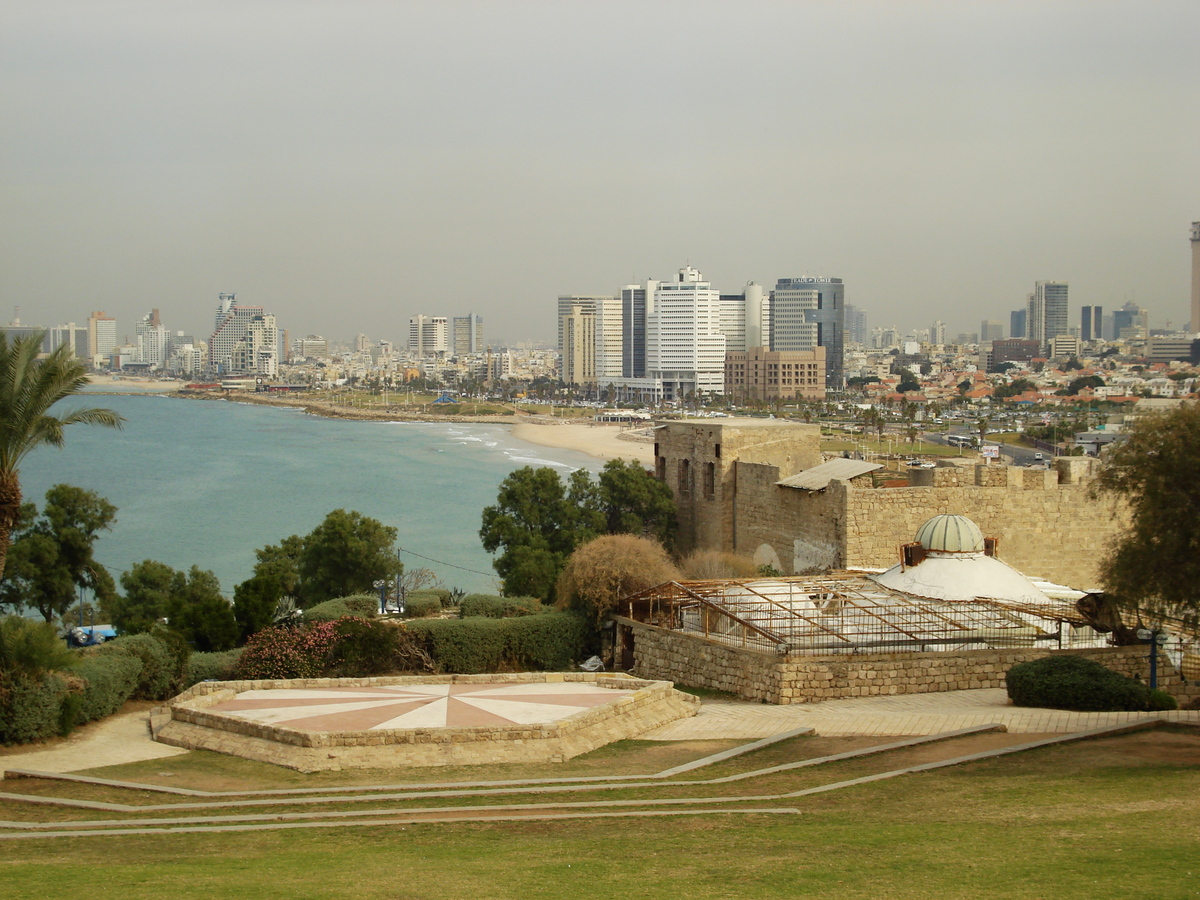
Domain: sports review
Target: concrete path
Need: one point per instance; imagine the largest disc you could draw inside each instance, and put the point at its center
(122, 738)
(907, 714)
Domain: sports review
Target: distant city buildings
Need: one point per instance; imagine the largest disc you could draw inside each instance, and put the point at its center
(768, 375)
(245, 340)
(428, 335)
(1195, 323)
(991, 330)
(1046, 312)
(809, 312)
(1091, 321)
(102, 338)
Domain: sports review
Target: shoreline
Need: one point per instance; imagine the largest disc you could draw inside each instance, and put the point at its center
(599, 441)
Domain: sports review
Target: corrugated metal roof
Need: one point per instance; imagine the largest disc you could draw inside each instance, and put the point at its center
(818, 477)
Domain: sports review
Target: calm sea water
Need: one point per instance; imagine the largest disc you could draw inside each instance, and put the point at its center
(207, 483)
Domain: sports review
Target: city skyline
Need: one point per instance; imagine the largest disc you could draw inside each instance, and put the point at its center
(351, 166)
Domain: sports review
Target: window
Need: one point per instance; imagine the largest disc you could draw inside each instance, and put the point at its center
(710, 480)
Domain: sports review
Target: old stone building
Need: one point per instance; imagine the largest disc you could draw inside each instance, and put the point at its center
(754, 487)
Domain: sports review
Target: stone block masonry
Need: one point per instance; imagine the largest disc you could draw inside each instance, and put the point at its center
(752, 675)
(195, 724)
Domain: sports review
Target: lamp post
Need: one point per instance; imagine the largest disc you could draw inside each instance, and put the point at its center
(1155, 639)
(383, 587)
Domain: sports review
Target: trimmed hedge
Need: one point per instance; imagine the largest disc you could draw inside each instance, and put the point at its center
(1080, 684)
(496, 607)
(440, 594)
(479, 644)
(418, 607)
(361, 604)
(219, 666)
(110, 679)
(332, 610)
(31, 707)
(164, 655)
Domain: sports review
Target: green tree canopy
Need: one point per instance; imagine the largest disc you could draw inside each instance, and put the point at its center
(51, 556)
(343, 556)
(538, 521)
(28, 388)
(1155, 562)
(191, 603)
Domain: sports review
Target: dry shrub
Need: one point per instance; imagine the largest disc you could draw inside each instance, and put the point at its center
(711, 565)
(601, 572)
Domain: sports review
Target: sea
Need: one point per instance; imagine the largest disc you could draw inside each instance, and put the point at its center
(206, 483)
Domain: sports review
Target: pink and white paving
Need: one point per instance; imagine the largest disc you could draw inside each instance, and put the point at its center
(317, 724)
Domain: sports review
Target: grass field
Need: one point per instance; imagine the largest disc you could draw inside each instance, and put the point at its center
(1109, 818)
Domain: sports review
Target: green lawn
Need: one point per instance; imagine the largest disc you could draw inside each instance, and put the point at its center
(1111, 818)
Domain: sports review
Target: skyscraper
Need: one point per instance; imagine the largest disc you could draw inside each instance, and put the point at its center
(685, 348)
(102, 337)
(937, 333)
(1091, 320)
(856, 325)
(1046, 311)
(745, 318)
(810, 312)
(428, 335)
(468, 334)
(1195, 277)
(1016, 323)
(579, 346)
(232, 324)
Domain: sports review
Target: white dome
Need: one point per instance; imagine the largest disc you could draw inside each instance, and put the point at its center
(950, 534)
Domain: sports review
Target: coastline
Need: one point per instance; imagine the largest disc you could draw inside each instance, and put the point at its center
(599, 441)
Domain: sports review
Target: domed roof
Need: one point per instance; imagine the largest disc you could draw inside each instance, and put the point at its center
(950, 534)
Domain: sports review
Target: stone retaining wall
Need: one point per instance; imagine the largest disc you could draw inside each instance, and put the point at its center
(193, 726)
(752, 675)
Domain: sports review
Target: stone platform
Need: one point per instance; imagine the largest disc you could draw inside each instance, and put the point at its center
(334, 723)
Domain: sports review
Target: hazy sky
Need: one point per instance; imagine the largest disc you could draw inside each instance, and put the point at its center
(349, 164)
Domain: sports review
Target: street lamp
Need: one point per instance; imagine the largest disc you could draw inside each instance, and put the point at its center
(383, 587)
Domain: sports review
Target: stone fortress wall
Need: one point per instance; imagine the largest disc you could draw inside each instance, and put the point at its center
(660, 653)
(724, 475)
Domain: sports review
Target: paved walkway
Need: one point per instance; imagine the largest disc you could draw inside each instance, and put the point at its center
(123, 738)
(906, 714)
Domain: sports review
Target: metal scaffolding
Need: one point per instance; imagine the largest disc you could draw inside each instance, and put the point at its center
(846, 612)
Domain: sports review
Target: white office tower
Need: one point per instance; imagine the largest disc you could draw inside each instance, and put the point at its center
(746, 319)
(233, 323)
(937, 333)
(685, 348)
(610, 322)
(428, 335)
(153, 341)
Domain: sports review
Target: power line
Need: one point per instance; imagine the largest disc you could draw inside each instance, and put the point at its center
(441, 563)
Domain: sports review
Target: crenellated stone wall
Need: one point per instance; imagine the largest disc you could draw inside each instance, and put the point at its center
(694, 660)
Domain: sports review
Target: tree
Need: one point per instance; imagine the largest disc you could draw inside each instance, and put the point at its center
(603, 571)
(191, 603)
(28, 388)
(633, 501)
(1154, 563)
(51, 555)
(344, 555)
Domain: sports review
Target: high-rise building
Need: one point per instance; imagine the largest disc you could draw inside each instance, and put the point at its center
(1195, 277)
(233, 323)
(579, 346)
(102, 337)
(1091, 320)
(991, 330)
(468, 334)
(1016, 323)
(361, 343)
(810, 312)
(685, 348)
(609, 321)
(633, 328)
(1130, 321)
(153, 341)
(937, 333)
(428, 335)
(746, 318)
(1046, 311)
(856, 325)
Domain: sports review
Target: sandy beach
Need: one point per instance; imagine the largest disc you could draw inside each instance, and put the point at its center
(600, 441)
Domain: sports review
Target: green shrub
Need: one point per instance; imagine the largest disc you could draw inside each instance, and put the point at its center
(496, 607)
(329, 611)
(219, 666)
(440, 594)
(362, 604)
(109, 680)
(418, 607)
(1076, 683)
(1161, 700)
(480, 644)
(30, 707)
(31, 648)
(287, 652)
(364, 647)
(164, 655)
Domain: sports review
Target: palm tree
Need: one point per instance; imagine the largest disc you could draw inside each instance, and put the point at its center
(28, 388)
